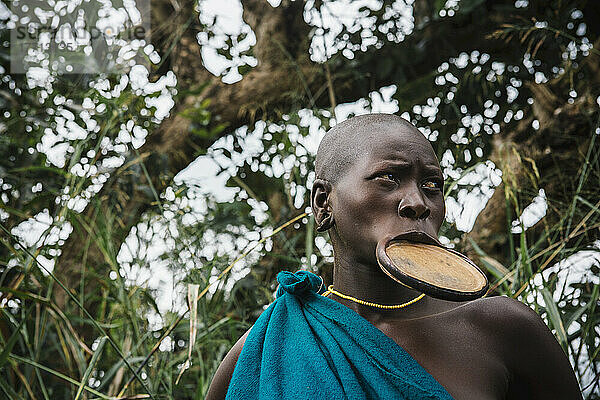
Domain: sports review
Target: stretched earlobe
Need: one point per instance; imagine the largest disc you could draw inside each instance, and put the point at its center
(320, 204)
(326, 223)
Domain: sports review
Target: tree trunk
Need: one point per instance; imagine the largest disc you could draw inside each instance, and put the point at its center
(285, 79)
(549, 158)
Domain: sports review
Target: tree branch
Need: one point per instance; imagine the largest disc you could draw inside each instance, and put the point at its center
(285, 79)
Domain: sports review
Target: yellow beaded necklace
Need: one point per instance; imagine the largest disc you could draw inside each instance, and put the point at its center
(330, 289)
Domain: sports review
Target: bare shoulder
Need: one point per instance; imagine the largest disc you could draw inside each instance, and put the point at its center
(512, 326)
(220, 382)
(513, 323)
(494, 315)
(505, 313)
(537, 364)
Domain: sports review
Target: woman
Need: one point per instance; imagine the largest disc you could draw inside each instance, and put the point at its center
(376, 177)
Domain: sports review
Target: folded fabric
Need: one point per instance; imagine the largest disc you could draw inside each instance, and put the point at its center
(306, 346)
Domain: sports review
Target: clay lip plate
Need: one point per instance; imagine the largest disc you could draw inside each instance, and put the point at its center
(437, 284)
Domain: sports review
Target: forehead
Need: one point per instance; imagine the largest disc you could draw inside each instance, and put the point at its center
(396, 141)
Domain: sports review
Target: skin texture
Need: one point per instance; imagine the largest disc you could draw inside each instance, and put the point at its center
(490, 348)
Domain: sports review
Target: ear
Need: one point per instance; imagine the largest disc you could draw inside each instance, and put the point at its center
(321, 207)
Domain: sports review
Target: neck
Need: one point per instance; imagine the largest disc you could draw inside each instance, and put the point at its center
(368, 282)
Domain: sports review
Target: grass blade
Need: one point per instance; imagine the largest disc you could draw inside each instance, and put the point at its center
(193, 306)
(10, 343)
(58, 374)
(90, 367)
(555, 318)
(80, 306)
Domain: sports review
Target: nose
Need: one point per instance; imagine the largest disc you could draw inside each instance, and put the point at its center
(412, 206)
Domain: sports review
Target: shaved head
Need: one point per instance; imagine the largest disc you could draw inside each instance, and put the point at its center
(344, 143)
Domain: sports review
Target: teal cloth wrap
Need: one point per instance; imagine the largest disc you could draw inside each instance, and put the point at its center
(306, 346)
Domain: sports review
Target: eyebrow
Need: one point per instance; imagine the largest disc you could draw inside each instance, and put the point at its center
(403, 165)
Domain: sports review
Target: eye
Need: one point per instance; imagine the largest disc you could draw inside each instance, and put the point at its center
(433, 184)
(387, 176)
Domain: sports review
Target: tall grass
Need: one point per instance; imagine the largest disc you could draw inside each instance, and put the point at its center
(144, 351)
(115, 336)
(555, 267)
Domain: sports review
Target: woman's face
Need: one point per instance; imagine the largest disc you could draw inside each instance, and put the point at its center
(396, 187)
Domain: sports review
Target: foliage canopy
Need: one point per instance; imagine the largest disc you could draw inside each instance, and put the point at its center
(507, 91)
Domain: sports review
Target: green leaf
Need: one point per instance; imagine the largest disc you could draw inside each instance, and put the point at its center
(88, 371)
(466, 6)
(11, 342)
(34, 168)
(439, 5)
(555, 318)
(58, 374)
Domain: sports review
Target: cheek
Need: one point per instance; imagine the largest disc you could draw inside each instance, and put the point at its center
(358, 212)
(358, 221)
(347, 212)
(439, 211)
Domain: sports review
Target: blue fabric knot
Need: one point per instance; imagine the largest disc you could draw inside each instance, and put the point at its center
(299, 283)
